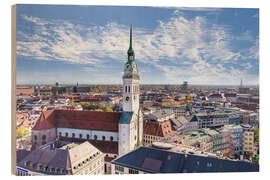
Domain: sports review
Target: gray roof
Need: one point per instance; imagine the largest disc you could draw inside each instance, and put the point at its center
(63, 158)
(154, 160)
(57, 158)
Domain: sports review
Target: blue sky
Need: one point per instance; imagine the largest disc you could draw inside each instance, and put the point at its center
(88, 44)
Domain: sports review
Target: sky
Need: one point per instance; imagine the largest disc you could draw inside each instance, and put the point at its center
(88, 44)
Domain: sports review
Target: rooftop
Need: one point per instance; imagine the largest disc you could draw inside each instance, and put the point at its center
(153, 160)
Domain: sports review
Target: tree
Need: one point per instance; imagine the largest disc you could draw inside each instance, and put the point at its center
(256, 135)
(21, 132)
(101, 105)
(109, 109)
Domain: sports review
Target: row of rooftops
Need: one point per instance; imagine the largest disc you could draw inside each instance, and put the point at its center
(159, 160)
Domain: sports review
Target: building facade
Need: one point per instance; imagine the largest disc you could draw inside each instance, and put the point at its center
(72, 159)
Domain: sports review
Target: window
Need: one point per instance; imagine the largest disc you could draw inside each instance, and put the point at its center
(119, 168)
(87, 136)
(209, 164)
(73, 135)
(128, 88)
(125, 88)
(103, 138)
(44, 137)
(60, 134)
(133, 171)
(35, 137)
(66, 134)
(95, 137)
(111, 138)
(80, 135)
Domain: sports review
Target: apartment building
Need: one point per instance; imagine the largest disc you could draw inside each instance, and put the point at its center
(71, 159)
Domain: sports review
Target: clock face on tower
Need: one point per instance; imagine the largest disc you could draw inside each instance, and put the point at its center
(127, 98)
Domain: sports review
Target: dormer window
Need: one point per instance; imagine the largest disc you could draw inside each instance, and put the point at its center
(209, 164)
(46, 168)
(27, 163)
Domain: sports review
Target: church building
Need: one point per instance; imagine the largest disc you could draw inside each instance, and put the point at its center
(113, 133)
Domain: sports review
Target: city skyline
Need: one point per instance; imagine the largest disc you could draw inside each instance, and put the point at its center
(200, 45)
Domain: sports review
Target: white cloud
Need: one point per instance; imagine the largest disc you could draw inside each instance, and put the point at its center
(204, 48)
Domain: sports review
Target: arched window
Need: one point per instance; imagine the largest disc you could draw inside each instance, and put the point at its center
(80, 135)
(111, 138)
(73, 135)
(95, 137)
(66, 134)
(103, 138)
(44, 137)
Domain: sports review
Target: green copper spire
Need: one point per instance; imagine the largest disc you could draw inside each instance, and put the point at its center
(130, 37)
(130, 50)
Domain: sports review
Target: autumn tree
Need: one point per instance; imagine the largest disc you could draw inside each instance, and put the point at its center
(21, 132)
(109, 109)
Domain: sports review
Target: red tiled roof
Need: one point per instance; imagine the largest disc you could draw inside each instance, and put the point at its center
(162, 129)
(104, 146)
(108, 159)
(45, 121)
(92, 120)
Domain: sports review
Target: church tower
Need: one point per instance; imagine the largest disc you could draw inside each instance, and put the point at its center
(131, 121)
(131, 79)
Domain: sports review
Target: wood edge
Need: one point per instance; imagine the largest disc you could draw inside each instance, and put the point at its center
(13, 89)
